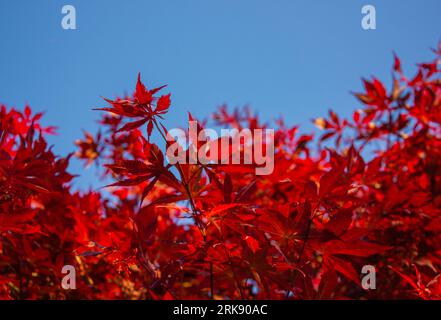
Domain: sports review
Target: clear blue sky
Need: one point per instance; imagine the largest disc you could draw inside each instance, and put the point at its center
(283, 57)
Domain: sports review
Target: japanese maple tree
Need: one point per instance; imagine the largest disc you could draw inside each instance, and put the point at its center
(366, 191)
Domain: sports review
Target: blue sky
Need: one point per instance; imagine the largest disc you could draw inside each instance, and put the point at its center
(283, 57)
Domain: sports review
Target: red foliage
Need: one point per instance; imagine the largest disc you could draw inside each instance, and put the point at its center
(368, 192)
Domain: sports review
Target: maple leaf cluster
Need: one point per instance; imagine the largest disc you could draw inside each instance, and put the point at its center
(366, 191)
